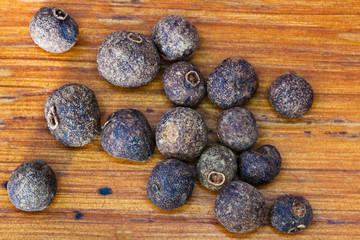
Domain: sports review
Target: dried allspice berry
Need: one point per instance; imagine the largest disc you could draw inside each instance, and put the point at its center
(54, 30)
(170, 184)
(127, 135)
(237, 128)
(291, 214)
(216, 167)
(176, 38)
(181, 133)
(240, 208)
(291, 96)
(260, 166)
(232, 83)
(128, 59)
(73, 114)
(184, 84)
(32, 186)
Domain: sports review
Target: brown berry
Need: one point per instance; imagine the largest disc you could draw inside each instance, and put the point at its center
(237, 128)
(170, 184)
(54, 30)
(291, 96)
(232, 83)
(128, 59)
(73, 114)
(32, 186)
(291, 214)
(260, 166)
(176, 38)
(216, 167)
(181, 133)
(127, 134)
(184, 84)
(240, 208)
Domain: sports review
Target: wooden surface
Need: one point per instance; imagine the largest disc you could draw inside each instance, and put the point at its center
(318, 40)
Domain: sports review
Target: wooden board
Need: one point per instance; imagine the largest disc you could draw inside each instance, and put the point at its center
(318, 40)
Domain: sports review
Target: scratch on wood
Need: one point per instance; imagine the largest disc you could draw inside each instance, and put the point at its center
(7, 97)
(331, 221)
(142, 220)
(19, 118)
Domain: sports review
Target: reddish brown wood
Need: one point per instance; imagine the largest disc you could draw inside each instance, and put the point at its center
(319, 40)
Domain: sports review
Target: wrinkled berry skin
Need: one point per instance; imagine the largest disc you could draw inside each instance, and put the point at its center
(291, 96)
(184, 84)
(54, 30)
(237, 128)
(232, 83)
(170, 184)
(260, 166)
(73, 115)
(216, 167)
(128, 59)
(32, 186)
(176, 38)
(291, 214)
(240, 208)
(127, 135)
(181, 133)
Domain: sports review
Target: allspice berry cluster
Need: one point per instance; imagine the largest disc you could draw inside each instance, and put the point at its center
(129, 59)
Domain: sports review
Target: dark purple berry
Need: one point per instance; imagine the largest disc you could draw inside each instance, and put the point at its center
(291, 96)
(232, 83)
(176, 38)
(184, 84)
(73, 114)
(216, 167)
(181, 133)
(260, 166)
(237, 128)
(240, 208)
(127, 134)
(32, 186)
(170, 184)
(128, 59)
(54, 30)
(291, 214)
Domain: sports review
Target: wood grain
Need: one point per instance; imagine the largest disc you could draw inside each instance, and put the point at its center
(318, 40)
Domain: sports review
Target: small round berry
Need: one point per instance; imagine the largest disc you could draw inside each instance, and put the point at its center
(240, 208)
(237, 128)
(32, 186)
(128, 59)
(127, 134)
(184, 84)
(291, 96)
(260, 166)
(232, 83)
(291, 214)
(54, 30)
(73, 115)
(216, 167)
(181, 133)
(176, 38)
(170, 184)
